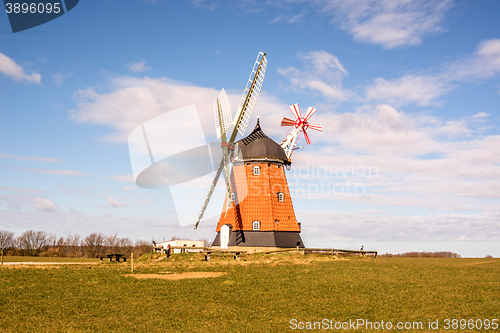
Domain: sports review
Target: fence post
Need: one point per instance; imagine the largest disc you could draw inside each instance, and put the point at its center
(132, 261)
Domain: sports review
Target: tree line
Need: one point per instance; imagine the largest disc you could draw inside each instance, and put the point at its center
(442, 254)
(41, 243)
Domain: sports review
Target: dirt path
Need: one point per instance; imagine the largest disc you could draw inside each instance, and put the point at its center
(180, 276)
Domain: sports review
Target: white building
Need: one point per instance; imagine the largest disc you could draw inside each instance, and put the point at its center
(186, 244)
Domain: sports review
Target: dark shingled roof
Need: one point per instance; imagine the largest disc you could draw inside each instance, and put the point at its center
(258, 146)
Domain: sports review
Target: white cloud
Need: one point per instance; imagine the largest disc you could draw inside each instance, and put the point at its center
(135, 101)
(11, 69)
(380, 130)
(30, 158)
(291, 19)
(367, 226)
(277, 19)
(59, 78)
(129, 178)
(481, 115)
(55, 172)
(204, 4)
(115, 203)
(426, 89)
(422, 164)
(454, 128)
(483, 64)
(323, 73)
(390, 23)
(44, 205)
(138, 66)
(19, 198)
(422, 90)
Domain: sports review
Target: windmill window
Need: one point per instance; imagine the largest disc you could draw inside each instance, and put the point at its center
(256, 226)
(233, 196)
(256, 170)
(281, 197)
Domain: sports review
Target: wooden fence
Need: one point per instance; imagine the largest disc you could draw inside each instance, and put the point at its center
(208, 251)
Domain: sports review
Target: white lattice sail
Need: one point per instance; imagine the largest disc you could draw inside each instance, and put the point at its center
(227, 118)
(251, 94)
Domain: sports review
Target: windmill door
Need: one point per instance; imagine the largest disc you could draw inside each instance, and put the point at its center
(225, 232)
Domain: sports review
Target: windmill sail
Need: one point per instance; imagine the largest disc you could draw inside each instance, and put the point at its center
(221, 107)
(300, 124)
(226, 119)
(210, 192)
(243, 116)
(250, 96)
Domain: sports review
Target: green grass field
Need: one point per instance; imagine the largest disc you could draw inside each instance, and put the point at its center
(261, 293)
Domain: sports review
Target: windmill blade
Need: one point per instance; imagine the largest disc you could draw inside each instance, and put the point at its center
(307, 138)
(224, 145)
(309, 113)
(295, 110)
(287, 122)
(243, 115)
(210, 192)
(250, 96)
(226, 119)
(315, 127)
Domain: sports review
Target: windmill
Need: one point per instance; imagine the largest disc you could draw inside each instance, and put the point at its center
(244, 113)
(259, 213)
(300, 124)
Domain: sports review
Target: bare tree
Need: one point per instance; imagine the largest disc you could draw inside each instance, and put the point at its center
(115, 244)
(60, 247)
(125, 245)
(32, 242)
(111, 243)
(73, 243)
(6, 240)
(141, 247)
(94, 244)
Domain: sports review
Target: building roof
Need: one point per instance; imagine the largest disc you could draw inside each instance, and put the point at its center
(179, 242)
(259, 147)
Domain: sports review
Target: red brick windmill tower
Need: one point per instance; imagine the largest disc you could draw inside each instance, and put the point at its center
(258, 210)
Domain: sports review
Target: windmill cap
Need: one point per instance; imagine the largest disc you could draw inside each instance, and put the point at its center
(259, 147)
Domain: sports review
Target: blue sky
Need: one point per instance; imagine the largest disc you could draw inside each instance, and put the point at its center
(407, 89)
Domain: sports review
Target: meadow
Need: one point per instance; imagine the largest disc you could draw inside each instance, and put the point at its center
(260, 293)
